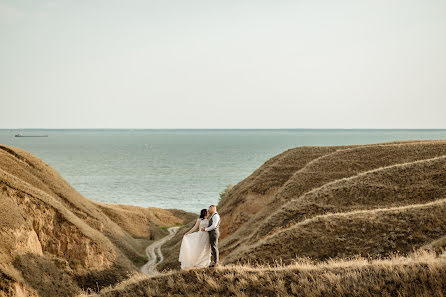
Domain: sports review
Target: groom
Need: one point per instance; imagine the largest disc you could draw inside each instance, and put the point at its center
(214, 233)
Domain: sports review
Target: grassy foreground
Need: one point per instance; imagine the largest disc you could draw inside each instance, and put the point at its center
(419, 274)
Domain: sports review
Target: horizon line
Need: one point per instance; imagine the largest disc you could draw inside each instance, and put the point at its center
(217, 129)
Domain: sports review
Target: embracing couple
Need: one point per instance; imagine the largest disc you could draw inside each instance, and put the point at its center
(200, 249)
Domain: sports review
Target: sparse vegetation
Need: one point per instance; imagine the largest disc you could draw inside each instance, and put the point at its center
(332, 203)
(312, 221)
(313, 200)
(166, 227)
(54, 241)
(419, 274)
(225, 191)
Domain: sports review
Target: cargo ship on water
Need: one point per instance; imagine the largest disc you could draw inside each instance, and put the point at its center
(21, 135)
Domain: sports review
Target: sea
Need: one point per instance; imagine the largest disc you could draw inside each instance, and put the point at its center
(183, 169)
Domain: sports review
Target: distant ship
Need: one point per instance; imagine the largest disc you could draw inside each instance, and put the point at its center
(21, 135)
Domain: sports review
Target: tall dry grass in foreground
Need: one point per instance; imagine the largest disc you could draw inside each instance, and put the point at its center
(420, 274)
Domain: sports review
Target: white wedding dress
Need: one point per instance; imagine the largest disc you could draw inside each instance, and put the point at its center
(195, 250)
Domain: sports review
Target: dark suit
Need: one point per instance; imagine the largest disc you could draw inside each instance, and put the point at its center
(213, 240)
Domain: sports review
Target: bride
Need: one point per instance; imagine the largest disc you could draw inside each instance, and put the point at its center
(195, 250)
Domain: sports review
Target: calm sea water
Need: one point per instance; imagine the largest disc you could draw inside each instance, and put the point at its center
(183, 169)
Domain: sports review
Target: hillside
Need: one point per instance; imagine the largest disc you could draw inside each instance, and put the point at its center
(300, 200)
(421, 274)
(55, 242)
(324, 221)
(339, 188)
(312, 221)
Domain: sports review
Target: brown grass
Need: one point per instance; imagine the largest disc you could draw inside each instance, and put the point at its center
(396, 185)
(259, 188)
(298, 170)
(420, 274)
(263, 216)
(352, 178)
(312, 221)
(50, 232)
(144, 222)
(374, 233)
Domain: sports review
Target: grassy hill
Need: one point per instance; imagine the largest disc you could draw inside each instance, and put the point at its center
(360, 220)
(421, 274)
(328, 205)
(54, 241)
(304, 184)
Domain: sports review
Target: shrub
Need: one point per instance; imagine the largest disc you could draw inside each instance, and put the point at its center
(225, 191)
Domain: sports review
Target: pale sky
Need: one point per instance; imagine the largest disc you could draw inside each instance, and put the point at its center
(223, 64)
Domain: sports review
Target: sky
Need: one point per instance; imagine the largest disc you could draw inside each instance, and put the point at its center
(223, 64)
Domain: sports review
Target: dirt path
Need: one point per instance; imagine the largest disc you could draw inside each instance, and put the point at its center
(154, 253)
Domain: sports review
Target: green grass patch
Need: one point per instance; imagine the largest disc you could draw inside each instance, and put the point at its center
(165, 228)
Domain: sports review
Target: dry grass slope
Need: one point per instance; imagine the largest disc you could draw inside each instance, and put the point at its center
(55, 242)
(327, 203)
(421, 274)
(253, 193)
(396, 185)
(312, 221)
(373, 233)
(348, 179)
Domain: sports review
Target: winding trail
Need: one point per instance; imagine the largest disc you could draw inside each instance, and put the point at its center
(154, 253)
